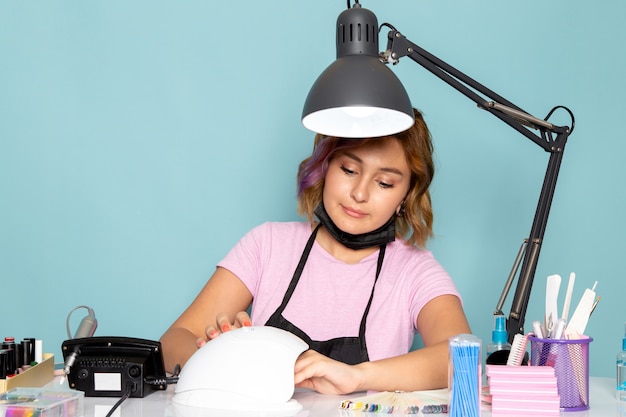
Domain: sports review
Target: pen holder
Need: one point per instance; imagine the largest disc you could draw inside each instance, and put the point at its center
(570, 360)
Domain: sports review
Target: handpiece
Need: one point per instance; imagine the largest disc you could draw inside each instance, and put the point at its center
(86, 328)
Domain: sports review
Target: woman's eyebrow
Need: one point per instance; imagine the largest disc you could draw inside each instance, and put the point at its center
(384, 169)
(352, 156)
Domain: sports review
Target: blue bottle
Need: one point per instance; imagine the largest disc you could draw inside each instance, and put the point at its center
(621, 371)
(499, 337)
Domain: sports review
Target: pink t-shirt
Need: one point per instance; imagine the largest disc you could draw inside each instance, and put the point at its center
(331, 296)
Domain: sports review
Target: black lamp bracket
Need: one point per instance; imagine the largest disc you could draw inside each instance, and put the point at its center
(548, 136)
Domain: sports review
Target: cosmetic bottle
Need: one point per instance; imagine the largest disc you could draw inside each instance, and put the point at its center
(621, 371)
(499, 342)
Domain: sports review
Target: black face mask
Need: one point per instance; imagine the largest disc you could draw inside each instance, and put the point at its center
(381, 236)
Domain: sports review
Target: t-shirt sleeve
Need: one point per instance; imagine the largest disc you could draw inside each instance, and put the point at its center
(432, 281)
(245, 258)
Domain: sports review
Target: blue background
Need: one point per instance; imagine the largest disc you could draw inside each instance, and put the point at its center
(140, 140)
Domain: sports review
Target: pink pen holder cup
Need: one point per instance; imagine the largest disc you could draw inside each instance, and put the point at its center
(570, 360)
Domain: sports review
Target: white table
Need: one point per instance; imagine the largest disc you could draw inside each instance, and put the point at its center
(602, 404)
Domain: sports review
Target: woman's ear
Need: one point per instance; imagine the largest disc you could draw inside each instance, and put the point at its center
(401, 209)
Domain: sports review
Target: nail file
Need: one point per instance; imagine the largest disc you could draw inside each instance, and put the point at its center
(552, 295)
(578, 322)
(568, 296)
(558, 330)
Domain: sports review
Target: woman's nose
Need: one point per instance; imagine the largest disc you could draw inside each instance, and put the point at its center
(360, 192)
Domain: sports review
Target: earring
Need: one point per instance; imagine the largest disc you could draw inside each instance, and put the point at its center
(401, 210)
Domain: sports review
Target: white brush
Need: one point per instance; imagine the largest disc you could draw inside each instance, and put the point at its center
(518, 350)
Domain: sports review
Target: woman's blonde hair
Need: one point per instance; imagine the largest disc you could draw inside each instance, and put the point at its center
(414, 223)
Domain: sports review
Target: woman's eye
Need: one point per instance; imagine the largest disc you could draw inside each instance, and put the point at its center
(384, 184)
(347, 171)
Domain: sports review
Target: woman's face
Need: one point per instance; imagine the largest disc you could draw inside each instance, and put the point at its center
(365, 185)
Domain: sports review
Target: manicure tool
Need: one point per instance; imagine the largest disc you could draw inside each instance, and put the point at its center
(578, 322)
(552, 294)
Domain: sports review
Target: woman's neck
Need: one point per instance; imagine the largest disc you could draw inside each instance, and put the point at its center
(339, 251)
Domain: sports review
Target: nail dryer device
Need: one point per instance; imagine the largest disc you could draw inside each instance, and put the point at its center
(246, 369)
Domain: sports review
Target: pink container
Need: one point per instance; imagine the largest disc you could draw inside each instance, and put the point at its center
(570, 360)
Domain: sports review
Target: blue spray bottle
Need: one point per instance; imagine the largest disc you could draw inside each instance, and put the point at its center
(499, 341)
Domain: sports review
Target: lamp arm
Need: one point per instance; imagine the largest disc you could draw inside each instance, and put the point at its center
(551, 138)
(529, 264)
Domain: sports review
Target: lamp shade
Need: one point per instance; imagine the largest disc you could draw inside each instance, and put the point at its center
(357, 96)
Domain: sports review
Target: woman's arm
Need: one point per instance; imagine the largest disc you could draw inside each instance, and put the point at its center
(425, 368)
(224, 295)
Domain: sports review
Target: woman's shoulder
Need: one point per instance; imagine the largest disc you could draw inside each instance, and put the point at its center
(418, 266)
(409, 256)
(401, 247)
(282, 238)
(282, 229)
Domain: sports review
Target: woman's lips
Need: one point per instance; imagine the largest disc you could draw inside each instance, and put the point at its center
(353, 212)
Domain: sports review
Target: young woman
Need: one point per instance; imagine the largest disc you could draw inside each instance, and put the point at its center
(354, 282)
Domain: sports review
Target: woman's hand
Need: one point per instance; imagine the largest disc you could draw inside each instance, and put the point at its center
(326, 376)
(223, 325)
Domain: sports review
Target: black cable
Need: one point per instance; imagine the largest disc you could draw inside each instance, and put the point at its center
(152, 380)
(166, 380)
(385, 24)
(129, 389)
(571, 115)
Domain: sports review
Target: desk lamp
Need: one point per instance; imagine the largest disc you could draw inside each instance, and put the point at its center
(358, 96)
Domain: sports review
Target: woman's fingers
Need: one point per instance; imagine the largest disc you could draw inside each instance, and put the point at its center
(242, 319)
(223, 323)
(211, 332)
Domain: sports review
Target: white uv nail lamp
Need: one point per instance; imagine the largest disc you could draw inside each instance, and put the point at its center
(243, 370)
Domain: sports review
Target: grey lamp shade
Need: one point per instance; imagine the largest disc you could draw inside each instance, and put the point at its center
(357, 96)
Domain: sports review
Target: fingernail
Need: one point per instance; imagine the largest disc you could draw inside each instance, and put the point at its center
(225, 327)
(247, 323)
